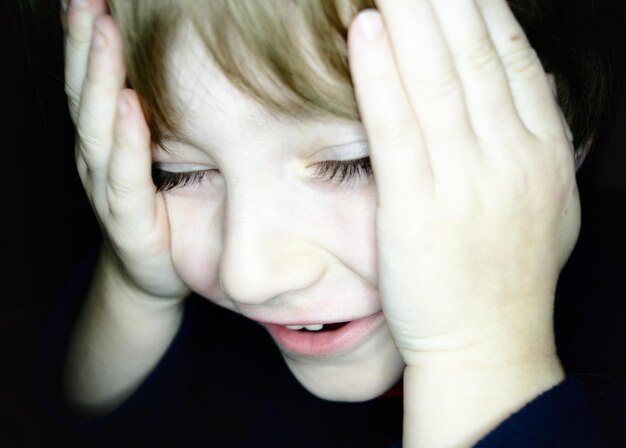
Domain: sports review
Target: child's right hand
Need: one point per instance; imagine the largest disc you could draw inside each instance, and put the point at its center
(113, 153)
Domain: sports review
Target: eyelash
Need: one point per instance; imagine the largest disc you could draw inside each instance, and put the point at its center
(338, 171)
(168, 180)
(334, 171)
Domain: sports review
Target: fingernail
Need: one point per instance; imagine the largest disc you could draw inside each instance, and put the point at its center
(98, 40)
(370, 23)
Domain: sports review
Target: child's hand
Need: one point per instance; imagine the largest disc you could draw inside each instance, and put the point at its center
(478, 208)
(113, 153)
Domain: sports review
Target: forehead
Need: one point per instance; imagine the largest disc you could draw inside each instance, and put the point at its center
(210, 104)
(201, 92)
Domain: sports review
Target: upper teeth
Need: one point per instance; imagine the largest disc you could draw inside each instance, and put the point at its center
(314, 327)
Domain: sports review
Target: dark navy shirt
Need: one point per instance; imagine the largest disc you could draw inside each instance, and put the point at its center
(223, 383)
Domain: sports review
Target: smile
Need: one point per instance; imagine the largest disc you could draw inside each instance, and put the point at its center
(324, 339)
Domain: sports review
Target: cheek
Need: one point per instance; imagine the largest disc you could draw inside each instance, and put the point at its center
(352, 226)
(342, 226)
(195, 230)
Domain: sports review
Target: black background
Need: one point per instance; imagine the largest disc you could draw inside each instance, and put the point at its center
(47, 227)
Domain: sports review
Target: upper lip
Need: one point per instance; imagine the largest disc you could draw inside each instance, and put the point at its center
(323, 321)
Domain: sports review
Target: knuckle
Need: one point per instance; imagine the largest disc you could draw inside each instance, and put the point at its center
(94, 79)
(121, 196)
(479, 55)
(440, 85)
(73, 94)
(88, 140)
(122, 145)
(118, 188)
(397, 134)
(77, 45)
(521, 61)
(76, 41)
(101, 81)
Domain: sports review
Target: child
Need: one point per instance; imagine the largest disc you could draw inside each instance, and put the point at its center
(409, 227)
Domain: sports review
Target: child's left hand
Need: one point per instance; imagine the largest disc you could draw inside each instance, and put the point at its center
(478, 208)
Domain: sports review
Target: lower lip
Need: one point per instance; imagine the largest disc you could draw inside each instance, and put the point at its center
(310, 343)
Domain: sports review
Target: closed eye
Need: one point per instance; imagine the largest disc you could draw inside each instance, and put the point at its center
(339, 171)
(332, 171)
(168, 180)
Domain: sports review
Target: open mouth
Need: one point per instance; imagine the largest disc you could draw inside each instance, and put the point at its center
(324, 339)
(317, 327)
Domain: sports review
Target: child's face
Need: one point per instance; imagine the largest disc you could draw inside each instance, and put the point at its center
(265, 238)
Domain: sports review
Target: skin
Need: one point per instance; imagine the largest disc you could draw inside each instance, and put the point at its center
(460, 240)
(505, 215)
(262, 236)
(467, 287)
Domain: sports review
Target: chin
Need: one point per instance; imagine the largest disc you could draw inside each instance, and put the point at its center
(353, 378)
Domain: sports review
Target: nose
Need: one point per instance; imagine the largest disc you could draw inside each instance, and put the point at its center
(266, 253)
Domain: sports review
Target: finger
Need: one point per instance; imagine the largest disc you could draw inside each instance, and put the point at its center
(431, 82)
(78, 27)
(103, 82)
(487, 95)
(399, 159)
(529, 85)
(130, 191)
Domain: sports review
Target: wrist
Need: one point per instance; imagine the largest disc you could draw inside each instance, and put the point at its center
(456, 405)
(517, 334)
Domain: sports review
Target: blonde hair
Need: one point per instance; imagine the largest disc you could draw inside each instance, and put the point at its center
(270, 33)
(253, 41)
